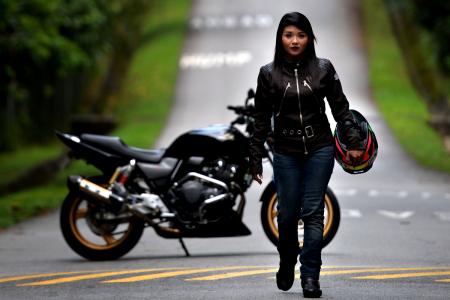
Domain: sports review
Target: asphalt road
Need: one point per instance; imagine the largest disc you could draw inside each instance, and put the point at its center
(393, 240)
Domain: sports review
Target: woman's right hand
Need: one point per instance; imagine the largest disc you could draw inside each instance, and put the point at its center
(258, 178)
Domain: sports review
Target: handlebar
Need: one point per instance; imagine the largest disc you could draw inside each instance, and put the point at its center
(242, 110)
(246, 110)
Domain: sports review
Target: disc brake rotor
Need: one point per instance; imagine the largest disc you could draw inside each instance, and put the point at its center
(98, 222)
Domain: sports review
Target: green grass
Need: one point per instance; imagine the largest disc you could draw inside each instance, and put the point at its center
(151, 79)
(143, 106)
(400, 104)
(13, 164)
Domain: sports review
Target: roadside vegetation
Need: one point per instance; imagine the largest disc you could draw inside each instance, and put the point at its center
(140, 107)
(400, 102)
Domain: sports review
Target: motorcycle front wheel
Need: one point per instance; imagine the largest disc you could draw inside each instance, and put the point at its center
(95, 233)
(269, 214)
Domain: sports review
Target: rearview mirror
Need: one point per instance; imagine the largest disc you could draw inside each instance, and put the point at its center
(250, 94)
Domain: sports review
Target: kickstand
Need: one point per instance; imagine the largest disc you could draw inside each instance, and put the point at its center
(184, 247)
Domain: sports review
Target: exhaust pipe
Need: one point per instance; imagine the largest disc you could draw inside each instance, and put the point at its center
(114, 201)
(79, 184)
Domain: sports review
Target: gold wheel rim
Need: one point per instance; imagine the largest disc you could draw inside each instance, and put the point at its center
(329, 215)
(272, 213)
(77, 213)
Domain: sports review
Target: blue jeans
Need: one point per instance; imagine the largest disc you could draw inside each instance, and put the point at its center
(301, 184)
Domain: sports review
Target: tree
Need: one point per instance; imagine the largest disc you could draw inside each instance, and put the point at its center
(407, 17)
(434, 17)
(50, 50)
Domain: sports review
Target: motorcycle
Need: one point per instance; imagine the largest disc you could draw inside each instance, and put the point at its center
(194, 188)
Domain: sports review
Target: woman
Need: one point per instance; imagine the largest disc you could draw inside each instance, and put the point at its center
(291, 91)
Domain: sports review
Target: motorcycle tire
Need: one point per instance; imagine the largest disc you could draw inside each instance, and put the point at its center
(91, 240)
(269, 213)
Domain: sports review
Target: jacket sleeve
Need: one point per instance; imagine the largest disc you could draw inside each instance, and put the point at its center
(262, 127)
(340, 108)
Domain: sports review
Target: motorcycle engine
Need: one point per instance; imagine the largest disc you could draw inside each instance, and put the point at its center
(195, 191)
(204, 196)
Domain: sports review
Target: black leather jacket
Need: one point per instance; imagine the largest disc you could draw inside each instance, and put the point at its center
(293, 97)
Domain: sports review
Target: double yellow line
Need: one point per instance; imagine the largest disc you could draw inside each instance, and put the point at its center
(160, 273)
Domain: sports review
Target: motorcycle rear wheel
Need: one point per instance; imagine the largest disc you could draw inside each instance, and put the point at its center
(269, 217)
(93, 238)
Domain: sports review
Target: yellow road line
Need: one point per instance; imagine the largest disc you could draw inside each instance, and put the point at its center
(404, 275)
(32, 276)
(369, 270)
(342, 272)
(443, 280)
(171, 274)
(90, 276)
(234, 274)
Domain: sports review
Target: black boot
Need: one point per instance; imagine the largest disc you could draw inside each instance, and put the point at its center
(311, 288)
(285, 276)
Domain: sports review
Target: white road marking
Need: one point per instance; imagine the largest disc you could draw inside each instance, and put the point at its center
(231, 21)
(373, 193)
(402, 194)
(350, 213)
(215, 60)
(443, 215)
(388, 193)
(425, 195)
(396, 215)
(356, 213)
(348, 192)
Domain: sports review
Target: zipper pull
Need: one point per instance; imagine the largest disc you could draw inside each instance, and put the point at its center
(307, 85)
(284, 96)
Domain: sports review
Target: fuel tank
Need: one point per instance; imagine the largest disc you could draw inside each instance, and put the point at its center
(214, 140)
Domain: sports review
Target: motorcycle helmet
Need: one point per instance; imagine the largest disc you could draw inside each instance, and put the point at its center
(369, 141)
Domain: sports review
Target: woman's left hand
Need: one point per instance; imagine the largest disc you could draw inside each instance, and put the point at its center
(355, 156)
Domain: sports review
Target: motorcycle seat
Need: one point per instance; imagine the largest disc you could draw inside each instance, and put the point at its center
(115, 145)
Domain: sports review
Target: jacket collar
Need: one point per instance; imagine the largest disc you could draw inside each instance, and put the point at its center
(294, 64)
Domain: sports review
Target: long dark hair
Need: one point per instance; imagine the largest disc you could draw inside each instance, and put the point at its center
(300, 21)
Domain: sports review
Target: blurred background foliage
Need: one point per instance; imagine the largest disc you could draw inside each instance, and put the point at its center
(422, 29)
(59, 58)
(131, 76)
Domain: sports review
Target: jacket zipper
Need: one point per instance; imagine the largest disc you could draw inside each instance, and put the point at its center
(282, 99)
(305, 83)
(300, 111)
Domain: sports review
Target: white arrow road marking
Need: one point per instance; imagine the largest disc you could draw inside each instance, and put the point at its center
(215, 60)
(396, 215)
(443, 215)
(350, 213)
